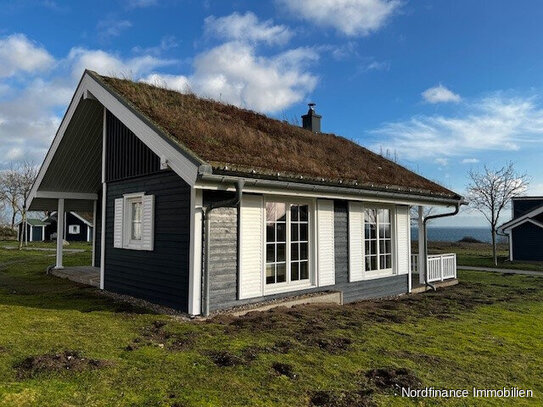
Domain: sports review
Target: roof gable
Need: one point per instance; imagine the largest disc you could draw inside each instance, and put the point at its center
(522, 219)
(242, 142)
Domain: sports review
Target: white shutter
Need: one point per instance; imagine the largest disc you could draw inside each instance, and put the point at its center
(251, 242)
(148, 222)
(356, 241)
(118, 223)
(403, 235)
(325, 243)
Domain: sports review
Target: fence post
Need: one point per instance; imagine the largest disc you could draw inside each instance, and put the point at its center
(454, 262)
(441, 268)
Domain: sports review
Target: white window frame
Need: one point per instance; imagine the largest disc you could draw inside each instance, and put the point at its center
(74, 229)
(128, 242)
(288, 285)
(379, 273)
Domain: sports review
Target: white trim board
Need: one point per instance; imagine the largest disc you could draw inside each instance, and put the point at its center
(178, 160)
(350, 194)
(519, 221)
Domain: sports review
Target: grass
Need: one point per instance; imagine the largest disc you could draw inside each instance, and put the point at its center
(480, 255)
(248, 142)
(484, 332)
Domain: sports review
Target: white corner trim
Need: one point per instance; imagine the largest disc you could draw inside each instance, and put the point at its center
(104, 202)
(195, 252)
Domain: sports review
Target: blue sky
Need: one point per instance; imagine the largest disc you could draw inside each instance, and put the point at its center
(444, 86)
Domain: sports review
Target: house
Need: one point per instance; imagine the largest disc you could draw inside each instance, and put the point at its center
(525, 229)
(35, 230)
(77, 228)
(203, 206)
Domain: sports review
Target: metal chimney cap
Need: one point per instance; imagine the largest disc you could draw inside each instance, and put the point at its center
(312, 105)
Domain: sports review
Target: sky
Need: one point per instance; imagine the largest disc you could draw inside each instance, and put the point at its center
(441, 86)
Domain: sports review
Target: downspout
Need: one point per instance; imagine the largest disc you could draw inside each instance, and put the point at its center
(206, 210)
(426, 219)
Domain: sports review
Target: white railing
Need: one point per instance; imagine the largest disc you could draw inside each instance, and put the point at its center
(439, 267)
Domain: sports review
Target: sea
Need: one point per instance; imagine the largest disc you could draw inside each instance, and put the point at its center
(455, 233)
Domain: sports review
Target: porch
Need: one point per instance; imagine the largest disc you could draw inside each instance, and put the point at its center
(87, 275)
(441, 269)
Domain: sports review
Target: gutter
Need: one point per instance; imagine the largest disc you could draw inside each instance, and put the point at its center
(424, 227)
(392, 194)
(206, 210)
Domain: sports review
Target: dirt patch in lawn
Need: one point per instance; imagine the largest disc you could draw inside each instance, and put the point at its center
(284, 369)
(331, 398)
(156, 335)
(225, 359)
(312, 324)
(393, 379)
(57, 362)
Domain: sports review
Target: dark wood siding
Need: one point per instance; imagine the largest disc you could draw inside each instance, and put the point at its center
(76, 237)
(127, 156)
(523, 206)
(528, 242)
(161, 275)
(223, 263)
(98, 233)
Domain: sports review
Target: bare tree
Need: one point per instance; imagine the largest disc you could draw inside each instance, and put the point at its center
(26, 175)
(9, 191)
(490, 191)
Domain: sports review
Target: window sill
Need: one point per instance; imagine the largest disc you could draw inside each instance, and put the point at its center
(373, 275)
(285, 287)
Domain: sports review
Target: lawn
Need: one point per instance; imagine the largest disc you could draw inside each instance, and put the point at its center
(480, 255)
(64, 344)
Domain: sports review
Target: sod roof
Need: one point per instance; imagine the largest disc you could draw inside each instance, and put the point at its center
(242, 142)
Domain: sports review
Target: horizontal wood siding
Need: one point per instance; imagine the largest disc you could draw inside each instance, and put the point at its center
(223, 263)
(528, 242)
(161, 275)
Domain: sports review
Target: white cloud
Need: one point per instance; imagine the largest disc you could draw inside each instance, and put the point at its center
(233, 73)
(440, 94)
(179, 83)
(470, 161)
(18, 54)
(105, 63)
(442, 161)
(350, 17)
(111, 27)
(247, 27)
(494, 123)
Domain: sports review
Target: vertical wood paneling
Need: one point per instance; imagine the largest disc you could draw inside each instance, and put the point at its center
(403, 235)
(126, 155)
(326, 273)
(251, 246)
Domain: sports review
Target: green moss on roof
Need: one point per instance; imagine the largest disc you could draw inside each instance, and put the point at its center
(233, 139)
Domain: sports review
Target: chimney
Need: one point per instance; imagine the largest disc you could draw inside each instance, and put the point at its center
(311, 120)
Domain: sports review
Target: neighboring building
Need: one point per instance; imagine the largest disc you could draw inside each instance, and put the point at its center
(203, 206)
(525, 229)
(35, 230)
(77, 228)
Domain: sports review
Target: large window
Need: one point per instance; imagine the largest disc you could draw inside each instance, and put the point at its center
(378, 239)
(287, 242)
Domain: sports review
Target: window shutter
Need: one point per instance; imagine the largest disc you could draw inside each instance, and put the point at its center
(118, 223)
(403, 236)
(148, 222)
(356, 241)
(325, 243)
(251, 247)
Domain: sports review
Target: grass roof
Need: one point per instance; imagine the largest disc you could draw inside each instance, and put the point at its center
(240, 141)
